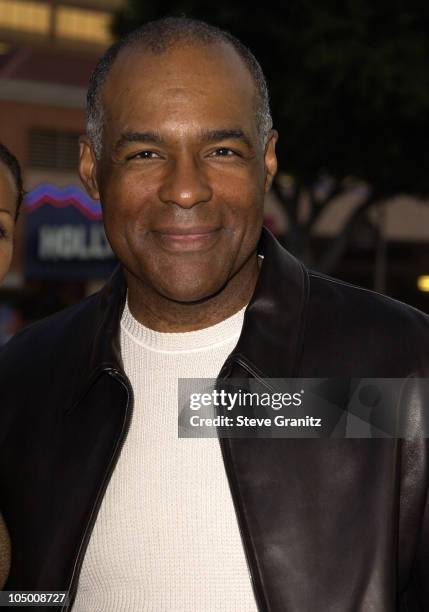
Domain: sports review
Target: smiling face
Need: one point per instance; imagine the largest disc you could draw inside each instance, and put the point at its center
(8, 203)
(182, 175)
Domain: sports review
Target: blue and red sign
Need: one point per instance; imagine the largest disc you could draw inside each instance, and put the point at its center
(65, 236)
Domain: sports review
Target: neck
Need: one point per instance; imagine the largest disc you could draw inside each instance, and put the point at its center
(162, 314)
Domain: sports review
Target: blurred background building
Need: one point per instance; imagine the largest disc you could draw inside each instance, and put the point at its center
(47, 52)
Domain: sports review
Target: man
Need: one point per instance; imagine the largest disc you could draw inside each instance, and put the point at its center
(100, 496)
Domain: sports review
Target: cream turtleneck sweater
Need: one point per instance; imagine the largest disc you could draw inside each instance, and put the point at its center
(166, 537)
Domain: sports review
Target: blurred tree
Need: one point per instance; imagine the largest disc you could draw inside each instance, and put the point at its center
(349, 85)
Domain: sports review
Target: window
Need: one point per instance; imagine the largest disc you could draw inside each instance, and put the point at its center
(25, 16)
(53, 149)
(82, 24)
(56, 21)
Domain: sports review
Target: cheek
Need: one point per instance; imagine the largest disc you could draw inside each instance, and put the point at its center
(126, 198)
(126, 210)
(243, 206)
(6, 251)
(243, 189)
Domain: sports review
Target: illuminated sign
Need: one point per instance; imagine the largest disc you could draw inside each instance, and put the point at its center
(65, 236)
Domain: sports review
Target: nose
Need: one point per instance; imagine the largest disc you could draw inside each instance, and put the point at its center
(185, 183)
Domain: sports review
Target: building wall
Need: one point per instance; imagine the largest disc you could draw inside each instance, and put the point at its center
(16, 120)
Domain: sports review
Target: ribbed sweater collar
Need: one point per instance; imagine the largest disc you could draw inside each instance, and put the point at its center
(200, 339)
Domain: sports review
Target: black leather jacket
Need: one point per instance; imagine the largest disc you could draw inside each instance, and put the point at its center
(334, 525)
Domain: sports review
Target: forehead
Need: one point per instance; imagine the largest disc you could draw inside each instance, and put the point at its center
(200, 84)
(8, 193)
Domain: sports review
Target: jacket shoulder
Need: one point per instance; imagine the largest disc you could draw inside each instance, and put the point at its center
(341, 294)
(367, 327)
(42, 341)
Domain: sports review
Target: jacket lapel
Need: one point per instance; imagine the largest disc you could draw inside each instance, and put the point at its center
(270, 343)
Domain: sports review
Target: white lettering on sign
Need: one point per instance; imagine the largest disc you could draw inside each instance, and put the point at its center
(68, 242)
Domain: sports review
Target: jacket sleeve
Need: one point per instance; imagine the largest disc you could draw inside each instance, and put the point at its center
(421, 571)
(413, 542)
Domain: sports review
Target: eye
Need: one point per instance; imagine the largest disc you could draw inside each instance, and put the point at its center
(3, 232)
(143, 155)
(223, 152)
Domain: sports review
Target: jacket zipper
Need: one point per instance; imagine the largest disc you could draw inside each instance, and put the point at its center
(72, 588)
(257, 590)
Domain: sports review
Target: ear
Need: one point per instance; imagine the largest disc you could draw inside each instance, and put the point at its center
(270, 159)
(88, 167)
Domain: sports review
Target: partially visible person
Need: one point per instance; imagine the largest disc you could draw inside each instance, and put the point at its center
(11, 192)
(10, 200)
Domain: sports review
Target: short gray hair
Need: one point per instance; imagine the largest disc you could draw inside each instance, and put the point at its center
(157, 37)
